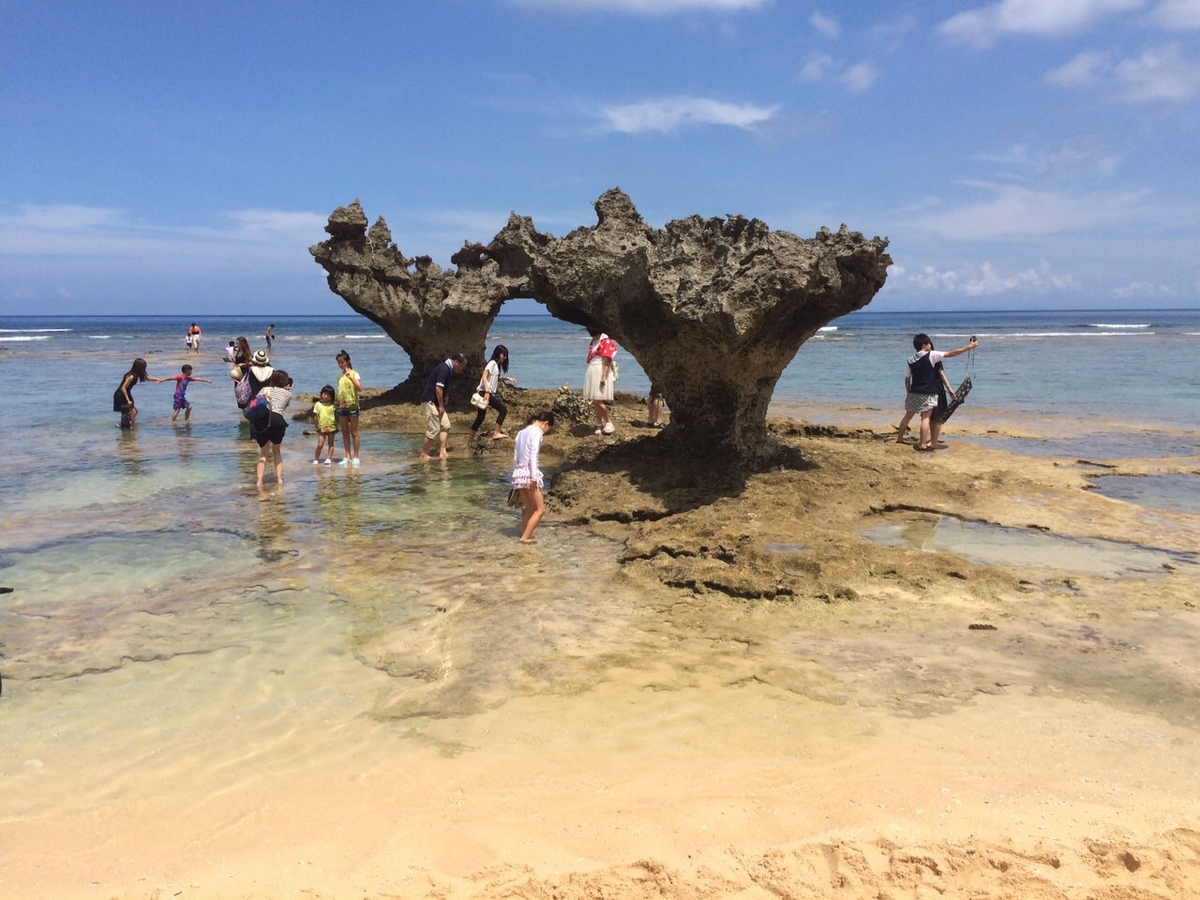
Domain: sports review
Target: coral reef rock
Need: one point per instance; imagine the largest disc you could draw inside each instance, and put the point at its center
(430, 313)
(712, 309)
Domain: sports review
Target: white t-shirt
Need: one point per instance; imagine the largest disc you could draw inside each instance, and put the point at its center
(525, 452)
(491, 378)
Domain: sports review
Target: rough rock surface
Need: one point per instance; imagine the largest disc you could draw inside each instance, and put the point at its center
(428, 312)
(712, 309)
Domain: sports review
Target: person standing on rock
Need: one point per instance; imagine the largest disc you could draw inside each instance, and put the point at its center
(599, 378)
(921, 382)
(434, 400)
(943, 384)
(494, 372)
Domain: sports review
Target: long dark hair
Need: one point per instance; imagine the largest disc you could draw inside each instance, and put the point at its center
(137, 370)
(501, 350)
(342, 354)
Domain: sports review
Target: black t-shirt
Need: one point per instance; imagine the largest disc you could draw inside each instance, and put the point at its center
(441, 375)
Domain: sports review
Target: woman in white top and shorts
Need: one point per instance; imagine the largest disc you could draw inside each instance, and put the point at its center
(527, 476)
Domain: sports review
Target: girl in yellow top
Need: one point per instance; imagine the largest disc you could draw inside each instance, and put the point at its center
(349, 386)
(327, 428)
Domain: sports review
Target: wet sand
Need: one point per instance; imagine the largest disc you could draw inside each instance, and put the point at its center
(741, 697)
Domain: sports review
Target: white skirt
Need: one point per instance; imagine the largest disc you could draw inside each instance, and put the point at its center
(591, 381)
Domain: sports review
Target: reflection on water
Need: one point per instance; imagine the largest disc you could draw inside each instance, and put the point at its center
(1101, 445)
(997, 545)
(1176, 492)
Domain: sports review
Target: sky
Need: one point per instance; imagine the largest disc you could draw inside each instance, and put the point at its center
(169, 157)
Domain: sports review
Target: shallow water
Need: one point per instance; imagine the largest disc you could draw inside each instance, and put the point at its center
(998, 545)
(1173, 492)
(178, 645)
(1104, 445)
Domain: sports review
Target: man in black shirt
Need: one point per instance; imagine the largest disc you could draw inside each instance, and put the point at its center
(434, 399)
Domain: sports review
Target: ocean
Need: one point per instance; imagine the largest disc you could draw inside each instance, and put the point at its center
(166, 620)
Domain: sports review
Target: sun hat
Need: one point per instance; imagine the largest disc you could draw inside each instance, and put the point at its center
(260, 358)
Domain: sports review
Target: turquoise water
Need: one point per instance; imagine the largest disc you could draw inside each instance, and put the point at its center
(100, 519)
(1099, 366)
(92, 511)
(172, 630)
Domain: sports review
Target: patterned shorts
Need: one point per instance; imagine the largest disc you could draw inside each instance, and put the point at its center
(919, 403)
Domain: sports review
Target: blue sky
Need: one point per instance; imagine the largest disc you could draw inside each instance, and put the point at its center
(166, 156)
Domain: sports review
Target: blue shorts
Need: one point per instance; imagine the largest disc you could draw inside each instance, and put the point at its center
(346, 413)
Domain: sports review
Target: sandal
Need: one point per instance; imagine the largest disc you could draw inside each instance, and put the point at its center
(598, 432)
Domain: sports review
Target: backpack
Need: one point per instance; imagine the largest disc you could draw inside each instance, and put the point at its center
(258, 413)
(242, 392)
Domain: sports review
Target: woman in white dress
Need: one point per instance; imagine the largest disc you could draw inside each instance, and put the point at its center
(527, 476)
(599, 378)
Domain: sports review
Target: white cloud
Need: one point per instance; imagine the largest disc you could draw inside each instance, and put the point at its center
(819, 67)
(1160, 74)
(1086, 155)
(264, 221)
(69, 231)
(1177, 14)
(826, 25)
(645, 7)
(1084, 71)
(1017, 210)
(671, 113)
(1141, 289)
(858, 78)
(984, 280)
(983, 26)
(63, 217)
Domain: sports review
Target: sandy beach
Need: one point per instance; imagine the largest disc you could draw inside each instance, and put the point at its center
(746, 698)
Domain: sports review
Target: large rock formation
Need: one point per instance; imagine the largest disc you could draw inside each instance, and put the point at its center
(712, 309)
(428, 312)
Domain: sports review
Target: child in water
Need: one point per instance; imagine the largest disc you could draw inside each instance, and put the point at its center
(527, 479)
(181, 400)
(327, 427)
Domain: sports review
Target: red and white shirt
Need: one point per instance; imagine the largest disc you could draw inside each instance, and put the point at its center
(602, 346)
